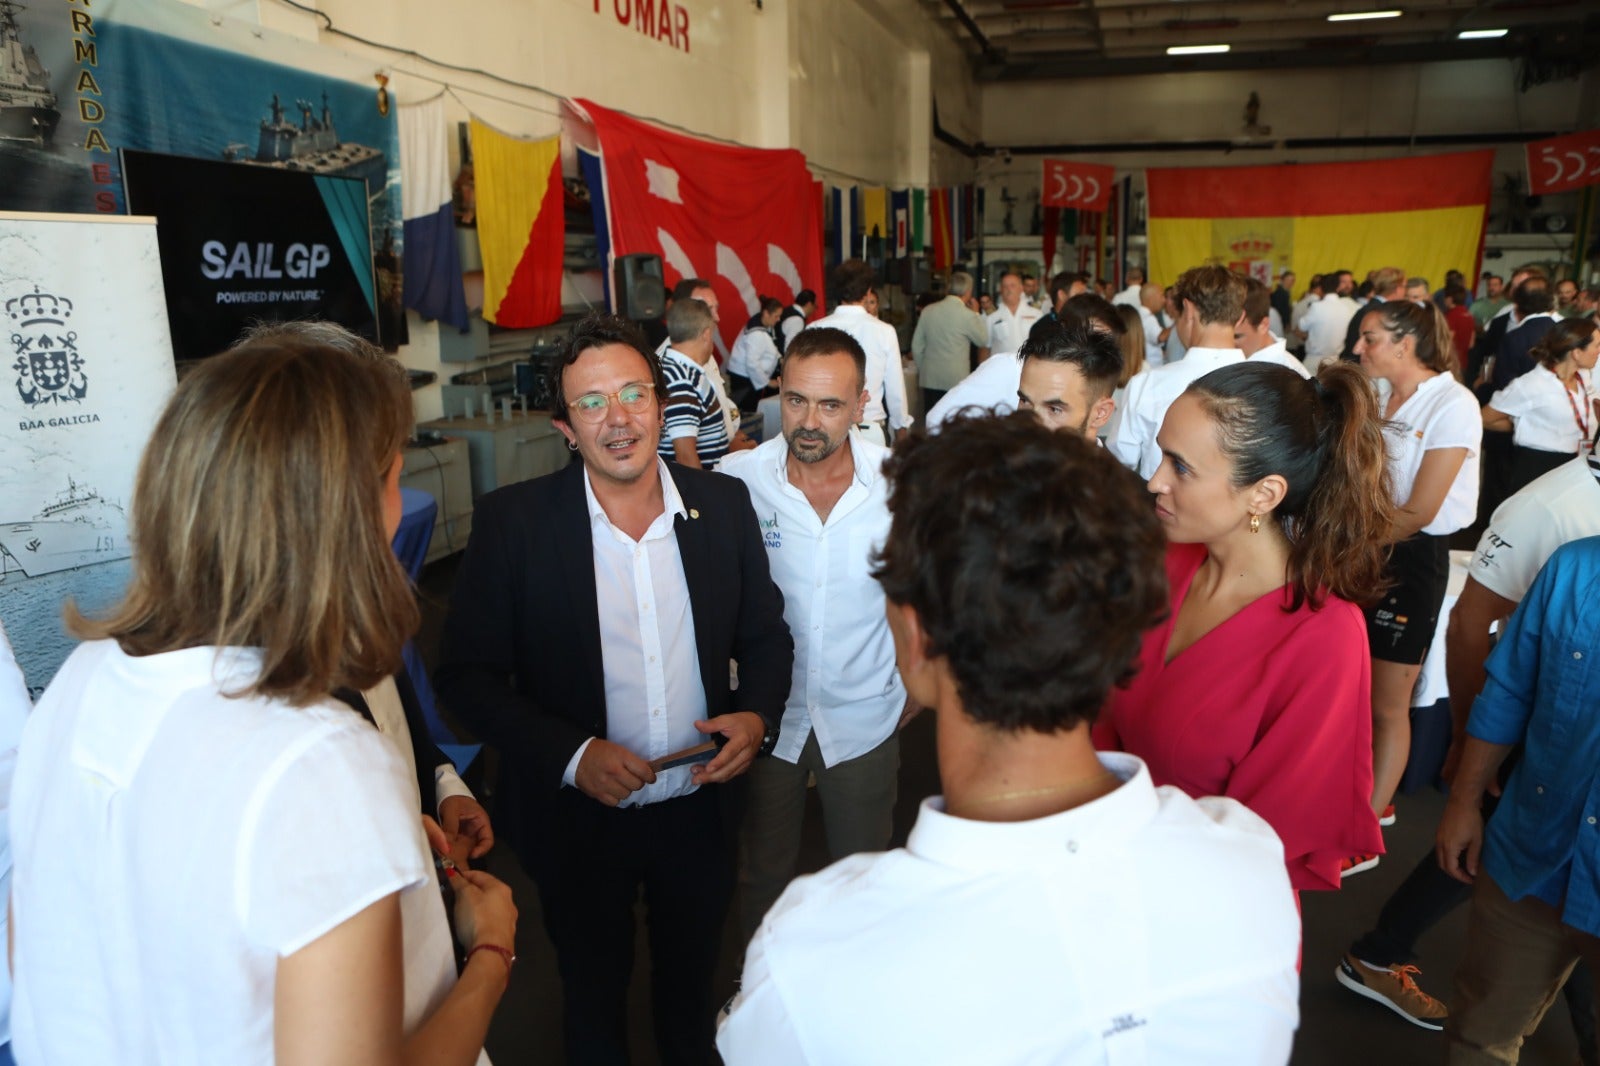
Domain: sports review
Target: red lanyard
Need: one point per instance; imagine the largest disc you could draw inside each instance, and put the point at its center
(1580, 415)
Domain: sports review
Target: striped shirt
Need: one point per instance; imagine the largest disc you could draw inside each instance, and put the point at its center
(691, 409)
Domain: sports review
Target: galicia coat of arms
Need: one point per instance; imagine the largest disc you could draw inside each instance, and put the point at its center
(49, 368)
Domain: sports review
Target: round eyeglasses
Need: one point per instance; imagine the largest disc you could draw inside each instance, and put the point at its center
(633, 398)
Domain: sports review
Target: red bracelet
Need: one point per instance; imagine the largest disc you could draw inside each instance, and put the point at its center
(504, 953)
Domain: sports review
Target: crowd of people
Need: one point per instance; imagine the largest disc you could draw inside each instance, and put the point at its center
(1163, 563)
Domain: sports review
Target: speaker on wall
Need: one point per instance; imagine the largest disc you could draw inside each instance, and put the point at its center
(638, 287)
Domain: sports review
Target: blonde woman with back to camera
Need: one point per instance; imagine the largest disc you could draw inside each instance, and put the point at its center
(215, 860)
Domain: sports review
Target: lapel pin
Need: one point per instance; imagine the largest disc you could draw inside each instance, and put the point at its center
(693, 513)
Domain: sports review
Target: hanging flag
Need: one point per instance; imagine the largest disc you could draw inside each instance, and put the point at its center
(875, 212)
(900, 210)
(432, 257)
(1562, 163)
(919, 221)
(521, 226)
(942, 237)
(744, 219)
(594, 177)
(1085, 186)
(842, 229)
(1427, 212)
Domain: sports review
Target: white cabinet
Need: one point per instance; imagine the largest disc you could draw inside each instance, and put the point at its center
(443, 472)
(506, 451)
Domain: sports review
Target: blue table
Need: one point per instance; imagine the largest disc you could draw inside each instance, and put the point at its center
(417, 513)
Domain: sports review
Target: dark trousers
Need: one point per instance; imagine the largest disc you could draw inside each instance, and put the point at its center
(931, 397)
(1422, 900)
(1528, 464)
(589, 880)
(1495, 488)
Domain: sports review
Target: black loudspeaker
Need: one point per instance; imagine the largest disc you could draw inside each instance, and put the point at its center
(638, 288)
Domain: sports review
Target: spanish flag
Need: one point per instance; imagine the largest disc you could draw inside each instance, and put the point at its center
(1424, 214)
(521, 226)
(942, 230)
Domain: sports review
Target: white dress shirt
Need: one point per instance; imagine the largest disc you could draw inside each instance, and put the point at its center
(1325, 325)
(1133, 296)
(389, 715)
(1142, 927)
(654, 692)
(993, 385)
(1278, 352)
(846, 686)
(886, 381)
(1153, 351)
(755, 355)
(1008, 330)
(1298, 314)
(1144, 405)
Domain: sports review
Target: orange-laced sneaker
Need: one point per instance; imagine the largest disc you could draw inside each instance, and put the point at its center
(1356, 864)
(1395, 988)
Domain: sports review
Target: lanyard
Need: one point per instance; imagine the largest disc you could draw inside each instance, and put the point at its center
(1580, 414)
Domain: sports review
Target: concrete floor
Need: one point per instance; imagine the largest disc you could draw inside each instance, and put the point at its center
(1336, 1027)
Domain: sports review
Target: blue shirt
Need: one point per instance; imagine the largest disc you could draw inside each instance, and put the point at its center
(1543, 691)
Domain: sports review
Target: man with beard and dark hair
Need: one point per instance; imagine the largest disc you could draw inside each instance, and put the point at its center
(821, 500)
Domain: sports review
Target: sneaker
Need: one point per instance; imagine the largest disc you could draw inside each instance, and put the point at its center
(1357, 864)
(1396, 989)
(1387, 818)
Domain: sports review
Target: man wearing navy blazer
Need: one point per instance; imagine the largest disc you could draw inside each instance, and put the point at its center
(590, 632)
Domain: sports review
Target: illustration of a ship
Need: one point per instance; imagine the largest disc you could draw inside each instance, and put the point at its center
(79, 528)
(27, 106)
(312, 146)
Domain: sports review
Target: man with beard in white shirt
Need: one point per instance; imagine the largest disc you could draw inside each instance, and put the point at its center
(1052, 905)
(1210, 301)
(819, 494)
(1258, 343)
(886, 413)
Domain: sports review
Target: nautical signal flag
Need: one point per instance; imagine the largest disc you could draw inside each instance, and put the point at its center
(433, 260)
(521, 226)
(1424, 214)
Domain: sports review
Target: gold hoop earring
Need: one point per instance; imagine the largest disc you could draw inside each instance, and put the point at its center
(1255, 523)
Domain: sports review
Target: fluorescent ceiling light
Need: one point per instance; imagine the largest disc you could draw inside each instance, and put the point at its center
(1473, 35)
(1196, 49)
(1357, 16)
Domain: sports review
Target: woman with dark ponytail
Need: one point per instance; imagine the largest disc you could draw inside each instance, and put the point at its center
(1550, 410)
(1276, 501)
(1434, 434)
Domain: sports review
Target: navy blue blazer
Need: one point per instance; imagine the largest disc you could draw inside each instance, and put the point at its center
(520, 661)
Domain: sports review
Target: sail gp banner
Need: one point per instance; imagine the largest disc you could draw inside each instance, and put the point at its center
(87, 367)
(167, 76)
(746, 219)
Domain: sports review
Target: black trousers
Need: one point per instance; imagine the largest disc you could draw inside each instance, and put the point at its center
(931, 397)
(1422, 900)
(589, 880)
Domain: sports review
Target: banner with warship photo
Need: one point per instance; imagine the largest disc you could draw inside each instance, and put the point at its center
(79, 83)
(87, 367)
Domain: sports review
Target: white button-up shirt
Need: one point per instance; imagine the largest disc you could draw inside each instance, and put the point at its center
(1144, 405)
(1142, 927)
(654, 692)
(1325, 325)
(1278, 352)
(846, 687)
(1008, 330)
(886, 380)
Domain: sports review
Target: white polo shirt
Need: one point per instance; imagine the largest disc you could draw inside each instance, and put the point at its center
(1555, 508)
(1009, 330)
(1442, 413)
(1325, 324)
(993, 386)
(1135, 425)
(1144, 927)
(1277, 352)
(886, 380)
(1545, 415)
(846, 687)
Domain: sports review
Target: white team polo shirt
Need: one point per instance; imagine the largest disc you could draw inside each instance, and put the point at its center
(1442, 413)
(846, 687)
(1555, 508)
(1544, 414)
(1143, 927)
